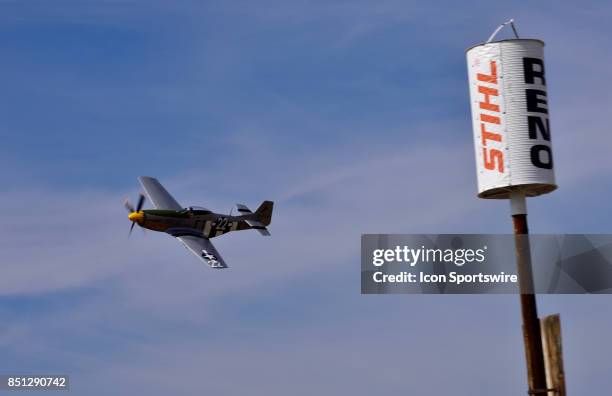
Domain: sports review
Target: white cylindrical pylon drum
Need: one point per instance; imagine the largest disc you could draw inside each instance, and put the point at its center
(510, 118)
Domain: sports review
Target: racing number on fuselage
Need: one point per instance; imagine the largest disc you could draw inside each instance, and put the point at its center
(223, 223)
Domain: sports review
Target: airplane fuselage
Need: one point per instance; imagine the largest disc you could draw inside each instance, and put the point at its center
(190, 222)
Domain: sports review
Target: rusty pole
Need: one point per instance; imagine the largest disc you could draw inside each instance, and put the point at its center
(534, 354)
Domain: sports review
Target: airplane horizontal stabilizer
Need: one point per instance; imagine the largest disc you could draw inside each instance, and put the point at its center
(260, 219)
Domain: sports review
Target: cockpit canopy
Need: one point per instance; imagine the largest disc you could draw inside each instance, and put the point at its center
(195, 209)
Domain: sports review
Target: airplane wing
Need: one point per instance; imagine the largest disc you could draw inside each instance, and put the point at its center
(157, 194)
(204, 249)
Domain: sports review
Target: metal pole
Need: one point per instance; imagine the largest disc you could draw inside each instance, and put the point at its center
(536, 372)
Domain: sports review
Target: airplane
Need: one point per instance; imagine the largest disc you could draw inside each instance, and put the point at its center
(194, 226)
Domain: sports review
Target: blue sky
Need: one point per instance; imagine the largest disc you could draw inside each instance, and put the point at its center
(352, 116)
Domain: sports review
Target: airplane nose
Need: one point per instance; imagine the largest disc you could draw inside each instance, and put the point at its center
(136, 216)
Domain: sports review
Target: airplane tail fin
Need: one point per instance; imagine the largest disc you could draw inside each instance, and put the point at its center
(261, 218)
(264, 212)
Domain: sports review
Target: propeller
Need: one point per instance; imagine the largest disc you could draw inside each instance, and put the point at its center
(130, 208)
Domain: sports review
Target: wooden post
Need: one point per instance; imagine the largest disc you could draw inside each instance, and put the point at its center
(553, 354)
